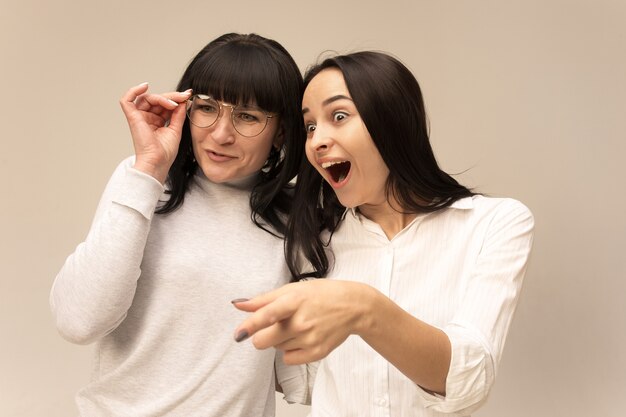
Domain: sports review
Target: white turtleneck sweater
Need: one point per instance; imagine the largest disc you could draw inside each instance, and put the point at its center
(154, 292)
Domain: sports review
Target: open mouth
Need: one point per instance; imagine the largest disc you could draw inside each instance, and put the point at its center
(338, 170)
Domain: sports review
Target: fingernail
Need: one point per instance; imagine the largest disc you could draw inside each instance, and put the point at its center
(241, 336)
(173, 102)
(186, 92)
(239, 300)
(142, 84)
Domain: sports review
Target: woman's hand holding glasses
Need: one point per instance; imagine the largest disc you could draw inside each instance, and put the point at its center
(155, 122)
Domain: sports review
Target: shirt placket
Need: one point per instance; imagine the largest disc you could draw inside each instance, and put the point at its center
(381, 399)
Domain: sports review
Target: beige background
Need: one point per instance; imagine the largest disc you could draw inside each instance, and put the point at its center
(526, 99)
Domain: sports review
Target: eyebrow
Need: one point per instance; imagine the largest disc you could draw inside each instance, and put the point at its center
(329, 100)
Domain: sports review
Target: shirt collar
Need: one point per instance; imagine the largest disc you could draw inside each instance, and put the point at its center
(245, 184)
(466, 203)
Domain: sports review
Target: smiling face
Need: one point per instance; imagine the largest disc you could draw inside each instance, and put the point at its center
(225, 155)
(338, 144)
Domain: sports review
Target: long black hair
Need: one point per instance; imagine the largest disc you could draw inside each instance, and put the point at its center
(389, 101)
(240, 68)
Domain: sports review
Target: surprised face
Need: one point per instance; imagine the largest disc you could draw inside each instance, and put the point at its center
(338, 144)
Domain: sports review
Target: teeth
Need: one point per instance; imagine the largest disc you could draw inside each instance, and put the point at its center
(326, 165)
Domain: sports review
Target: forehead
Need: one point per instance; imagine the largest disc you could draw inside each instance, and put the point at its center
(328, 83)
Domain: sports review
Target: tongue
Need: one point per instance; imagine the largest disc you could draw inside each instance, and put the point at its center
(339, 171)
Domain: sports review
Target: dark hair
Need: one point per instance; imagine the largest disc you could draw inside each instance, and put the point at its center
(239, 68)
(389, 101)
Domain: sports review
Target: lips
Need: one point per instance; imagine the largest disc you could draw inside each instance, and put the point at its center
(218, 157)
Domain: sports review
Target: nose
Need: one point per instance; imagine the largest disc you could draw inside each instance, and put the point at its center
(320, 141)
(223, 131)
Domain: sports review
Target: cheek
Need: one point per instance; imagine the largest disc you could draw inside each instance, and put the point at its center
(374, 158)
(310, 156)
(262, 145)
(379, 168)
(197, 136)
(258, 151)
(196, 132)
(309, 153)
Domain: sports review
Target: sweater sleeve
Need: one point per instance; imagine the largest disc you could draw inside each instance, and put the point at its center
(296, 381)
(95, 287)
(478, 331)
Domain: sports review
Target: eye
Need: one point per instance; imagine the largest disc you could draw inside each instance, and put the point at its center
(247, 117)
(207, 108)
(339, 116)
(309, 128)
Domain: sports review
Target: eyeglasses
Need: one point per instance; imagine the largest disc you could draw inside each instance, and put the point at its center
(203, 111)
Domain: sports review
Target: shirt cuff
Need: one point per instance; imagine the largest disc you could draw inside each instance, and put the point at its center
(139, 191)
(296, 381)
(470, 377)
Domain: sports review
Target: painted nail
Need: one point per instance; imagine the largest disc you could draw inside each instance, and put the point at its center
(186, 92)
(239, 300)
(241, 336)
(142, 84)
(173, 102)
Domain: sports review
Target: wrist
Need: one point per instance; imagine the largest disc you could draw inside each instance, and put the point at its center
(154, 171)
(365, 317)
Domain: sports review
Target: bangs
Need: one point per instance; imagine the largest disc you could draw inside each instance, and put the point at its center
(238, 73)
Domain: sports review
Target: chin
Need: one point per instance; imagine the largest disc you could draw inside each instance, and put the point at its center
(348, 202)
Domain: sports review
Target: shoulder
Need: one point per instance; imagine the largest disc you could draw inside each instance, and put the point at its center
(490, 213)
(504, 215)
(497, 206)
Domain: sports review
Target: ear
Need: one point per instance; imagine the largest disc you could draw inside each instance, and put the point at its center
(279, 138)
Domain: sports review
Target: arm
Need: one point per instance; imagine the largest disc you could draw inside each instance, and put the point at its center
(307, 320)
(479, 328)
(310, 319)
(95, 287)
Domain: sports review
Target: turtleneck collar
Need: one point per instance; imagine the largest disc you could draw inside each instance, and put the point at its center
(243, 184)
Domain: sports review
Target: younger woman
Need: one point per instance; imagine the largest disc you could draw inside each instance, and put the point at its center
(423, 274)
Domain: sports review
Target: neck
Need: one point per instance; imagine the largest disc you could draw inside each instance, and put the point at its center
(246, 183)
(390, 217)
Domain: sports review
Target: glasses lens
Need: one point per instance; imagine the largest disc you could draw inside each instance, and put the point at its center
(249, 121)
(203, 111)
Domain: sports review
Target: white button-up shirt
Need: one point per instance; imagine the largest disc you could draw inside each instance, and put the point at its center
(459, 269)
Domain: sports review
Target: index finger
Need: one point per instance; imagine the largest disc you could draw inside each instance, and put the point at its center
(169, 101)
(271, 313)
(252, 305)
(132, 93)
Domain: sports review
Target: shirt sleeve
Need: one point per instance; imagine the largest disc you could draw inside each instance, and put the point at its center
(296, 381)
(489, 298)
(96, 285)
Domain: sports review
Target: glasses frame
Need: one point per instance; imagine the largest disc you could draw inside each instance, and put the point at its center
(221, 105)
